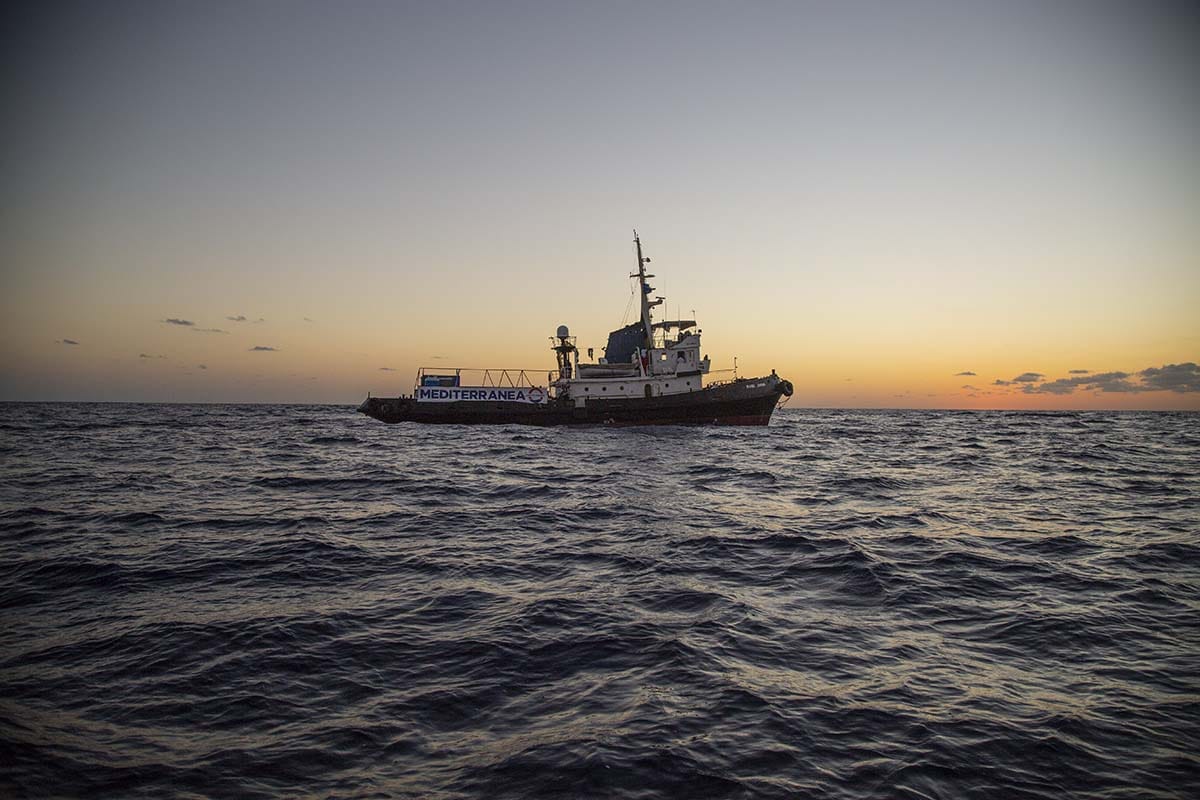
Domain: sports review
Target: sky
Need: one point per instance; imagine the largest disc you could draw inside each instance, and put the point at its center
(917, 204)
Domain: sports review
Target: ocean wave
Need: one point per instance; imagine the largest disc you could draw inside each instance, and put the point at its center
(264, 602)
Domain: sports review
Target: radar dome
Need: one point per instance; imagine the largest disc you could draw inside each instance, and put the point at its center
(563, 333)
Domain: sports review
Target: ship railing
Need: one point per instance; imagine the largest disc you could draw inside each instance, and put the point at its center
(486, 376)
(723, 381)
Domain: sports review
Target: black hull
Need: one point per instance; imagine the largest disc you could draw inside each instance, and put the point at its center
(741, 402)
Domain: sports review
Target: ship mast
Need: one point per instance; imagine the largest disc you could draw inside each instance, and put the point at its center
(644, 290)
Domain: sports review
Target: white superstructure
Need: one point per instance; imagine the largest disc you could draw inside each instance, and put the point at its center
(644, 359)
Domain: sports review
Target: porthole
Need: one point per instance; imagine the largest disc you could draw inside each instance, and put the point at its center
(604, 388)
(668, 386)
(587, 389)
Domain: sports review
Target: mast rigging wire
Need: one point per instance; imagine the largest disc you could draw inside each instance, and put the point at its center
(628, 305)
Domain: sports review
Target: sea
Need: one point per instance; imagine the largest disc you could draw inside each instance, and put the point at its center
(259, 601)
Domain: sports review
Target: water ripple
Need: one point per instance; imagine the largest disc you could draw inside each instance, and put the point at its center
(273, 601)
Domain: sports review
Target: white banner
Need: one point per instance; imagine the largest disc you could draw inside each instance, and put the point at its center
(482, 394)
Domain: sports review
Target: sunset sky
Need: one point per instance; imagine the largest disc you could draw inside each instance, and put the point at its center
(915, 204)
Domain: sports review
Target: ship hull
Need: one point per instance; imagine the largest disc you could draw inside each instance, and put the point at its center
(741, 402)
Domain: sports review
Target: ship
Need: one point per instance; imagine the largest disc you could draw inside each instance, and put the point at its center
(651, 373)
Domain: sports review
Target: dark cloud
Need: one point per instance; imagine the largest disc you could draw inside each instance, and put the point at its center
(258, 348)
(202, 366)
(386, 369)
(209, 330)
(1100, 382)
(1061, 386)
(1024, 377)
(306, 319)
(1111, 382)
(238, 318)
(969, 386)
(147, 355)
(1078, 371)
(65, 341)
(967, 374)
(187, 323)
(1172, 377)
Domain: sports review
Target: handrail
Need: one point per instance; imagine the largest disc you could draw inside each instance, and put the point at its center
(488, 376)
(481, 369)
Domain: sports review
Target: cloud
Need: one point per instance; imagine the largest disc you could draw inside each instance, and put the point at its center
(967, 374)
(238, 318)
(1111, 382)
(386, 369)
(1100, 382)
(1172, 377)
(65, 341)
(1167, 378)
(443, 358)
(187, 323)
(969, 386)
(306, 319)
(147, 355)
(1061, 386)
(202, 366)
(1024, 377)
(258, 348)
